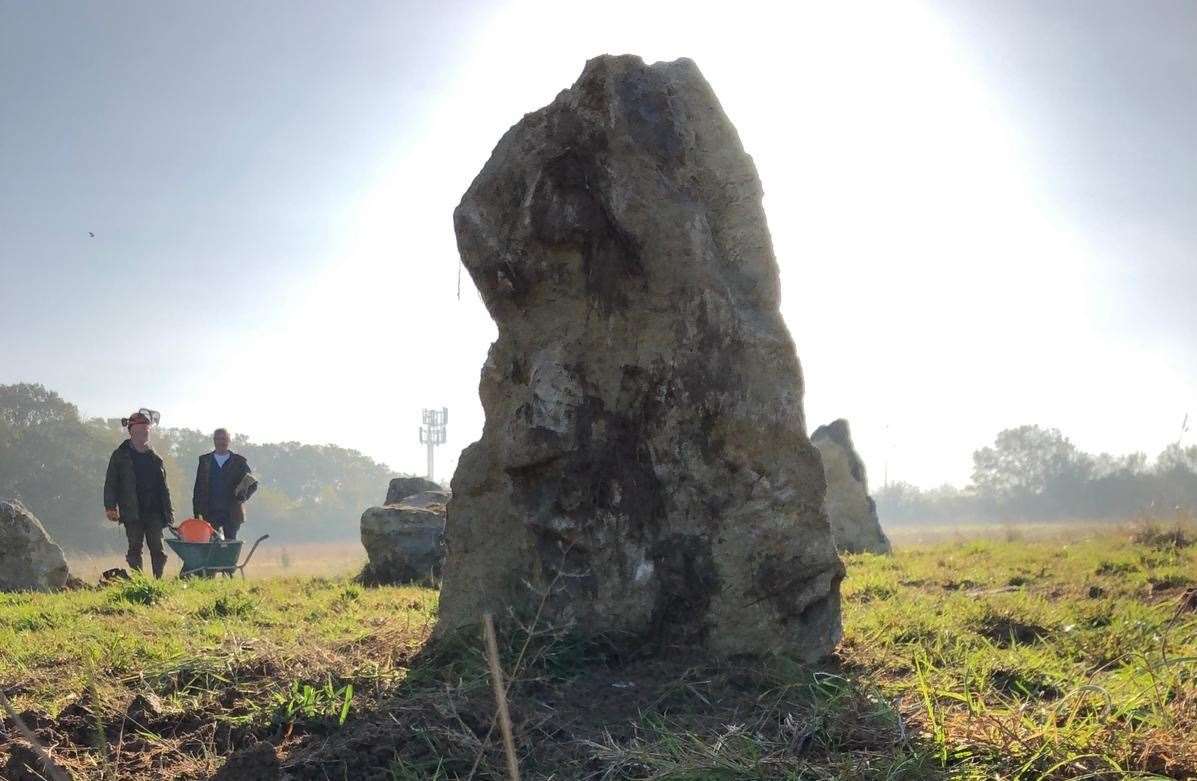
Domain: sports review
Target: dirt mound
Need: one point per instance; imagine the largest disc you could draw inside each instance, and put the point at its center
(23, 764)
(259, 762)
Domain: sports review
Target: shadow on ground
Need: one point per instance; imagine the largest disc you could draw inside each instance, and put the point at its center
(581, 710)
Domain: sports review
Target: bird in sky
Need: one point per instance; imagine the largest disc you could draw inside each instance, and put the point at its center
(89, 233)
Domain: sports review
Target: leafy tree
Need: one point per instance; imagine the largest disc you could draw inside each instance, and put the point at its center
(1036, 473)
(25, 404)
(1175, 477)
(49, 458)
(1177, 459)
(1106, 465)
(1029, 468)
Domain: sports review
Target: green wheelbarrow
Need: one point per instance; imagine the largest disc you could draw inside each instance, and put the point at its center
(209, 558)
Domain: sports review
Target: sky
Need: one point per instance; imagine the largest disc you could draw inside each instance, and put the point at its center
(984, 213)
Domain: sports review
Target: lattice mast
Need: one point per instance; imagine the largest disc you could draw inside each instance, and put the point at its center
(432, 433)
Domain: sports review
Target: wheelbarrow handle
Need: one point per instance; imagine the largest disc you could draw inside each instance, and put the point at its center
(250, 555)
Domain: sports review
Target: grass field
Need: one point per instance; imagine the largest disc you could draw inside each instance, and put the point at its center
(979, 659)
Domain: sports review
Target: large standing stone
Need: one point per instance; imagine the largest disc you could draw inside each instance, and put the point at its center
(852, 512)
(644, 461)
(29, 559)
(405, 541)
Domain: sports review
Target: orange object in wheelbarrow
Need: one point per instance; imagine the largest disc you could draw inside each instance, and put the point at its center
(196, 530)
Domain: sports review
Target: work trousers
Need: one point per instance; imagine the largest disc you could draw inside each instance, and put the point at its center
(220, 520)
(149, 530)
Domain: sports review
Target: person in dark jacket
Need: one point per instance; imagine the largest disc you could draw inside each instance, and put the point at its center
(215, 498)
(136, 494)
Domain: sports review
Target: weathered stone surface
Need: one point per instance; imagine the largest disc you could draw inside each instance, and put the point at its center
(403, 487)
(29, 559)
(644, 460)
(851, 510)
(405, 542)
(436, 501)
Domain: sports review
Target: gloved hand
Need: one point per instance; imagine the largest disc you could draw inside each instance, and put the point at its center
(246, 488)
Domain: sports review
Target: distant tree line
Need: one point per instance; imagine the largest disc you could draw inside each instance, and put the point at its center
(53, 460)
(1035, 473)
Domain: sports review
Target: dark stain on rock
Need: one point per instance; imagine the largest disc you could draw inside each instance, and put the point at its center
(602, 487)
(609, 469)
(567, 211)
(519, 371)
(649, 114)
(686, 572)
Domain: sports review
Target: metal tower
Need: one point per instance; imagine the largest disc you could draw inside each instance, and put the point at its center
(432, 433)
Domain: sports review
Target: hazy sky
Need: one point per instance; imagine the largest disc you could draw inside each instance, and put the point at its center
(985, 213)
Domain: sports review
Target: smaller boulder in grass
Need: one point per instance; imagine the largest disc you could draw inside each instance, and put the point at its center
(29, 559)
(405, 541)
